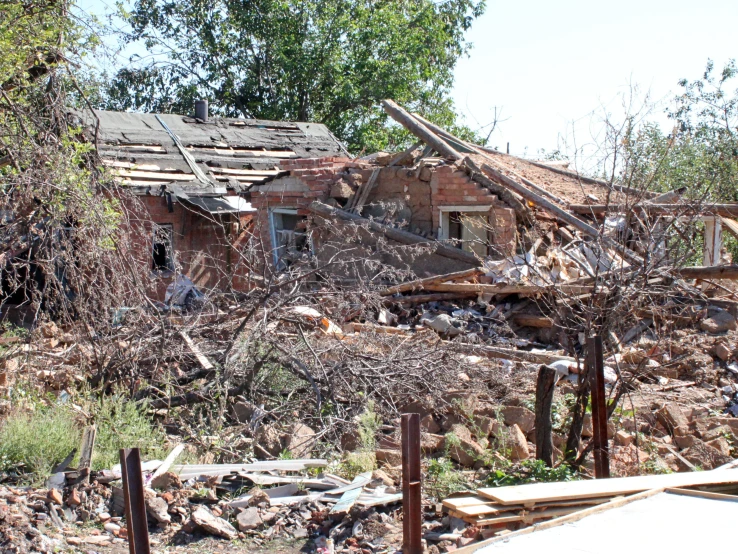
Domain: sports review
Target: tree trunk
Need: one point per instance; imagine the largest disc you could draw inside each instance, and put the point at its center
(544, 399)
(577, 420)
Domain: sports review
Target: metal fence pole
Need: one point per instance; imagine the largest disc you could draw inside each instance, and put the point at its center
(596, 367)
(412, 539)
(133, 493)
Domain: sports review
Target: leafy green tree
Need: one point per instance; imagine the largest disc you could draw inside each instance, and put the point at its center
(331, 61)
(699, 154)
(706, 116)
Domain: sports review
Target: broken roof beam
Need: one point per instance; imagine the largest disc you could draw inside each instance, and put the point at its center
(419, 130)
(563, 215)
(397, 235)
(418, 284)
(724, 210)
(438, 139)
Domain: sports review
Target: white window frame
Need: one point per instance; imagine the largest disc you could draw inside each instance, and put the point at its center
(443, 216)
(273, 231)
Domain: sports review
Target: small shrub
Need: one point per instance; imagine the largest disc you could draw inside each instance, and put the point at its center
(530, 471)
(123, 423)
(443, 479)
(369, 424)
(355, 463)
(33, 442)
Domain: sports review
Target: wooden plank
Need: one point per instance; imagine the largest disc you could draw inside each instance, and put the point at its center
(705, 494)
(576, 516)
(548, 492)
(512, 289)
(88, 448)
(418, 284)
(531, 320)
(168, 461)
(157, 175)
(710, 272)
(509, 353)
(248, 172)
(201, 358)
(129, 165)
(731, 225)
(724, 210)
(478, 505)
(432, 297)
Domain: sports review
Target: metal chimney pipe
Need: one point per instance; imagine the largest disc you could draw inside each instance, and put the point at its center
(201, 110)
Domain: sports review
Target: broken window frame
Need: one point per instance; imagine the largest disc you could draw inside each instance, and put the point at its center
(162, 233)
(279, 250)
(445, 223)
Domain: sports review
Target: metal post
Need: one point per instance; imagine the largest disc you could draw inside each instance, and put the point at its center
(133, 493)
(412, 540)
(596, 368)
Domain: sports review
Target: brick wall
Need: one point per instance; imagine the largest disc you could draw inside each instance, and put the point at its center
(201, 245)
(308, 180)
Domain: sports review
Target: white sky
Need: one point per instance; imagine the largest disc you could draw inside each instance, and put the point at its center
(549, 65)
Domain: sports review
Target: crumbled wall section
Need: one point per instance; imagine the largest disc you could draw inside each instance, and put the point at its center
(308, 180)
(399, 194)
(451, 187)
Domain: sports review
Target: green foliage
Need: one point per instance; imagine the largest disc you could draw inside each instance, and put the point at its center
(32, 442)
(530, 471)
(40, 433)
(368, 426)
(331, 61)
(355, 463)
(123, 423)
(442, 479)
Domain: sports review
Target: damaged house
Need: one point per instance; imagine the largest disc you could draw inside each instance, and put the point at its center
(192, 175)
(231, 199)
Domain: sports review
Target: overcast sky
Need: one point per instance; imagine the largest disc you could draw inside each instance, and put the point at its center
(549, 65)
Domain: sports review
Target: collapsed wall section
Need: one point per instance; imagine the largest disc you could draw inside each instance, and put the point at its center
(433, 201)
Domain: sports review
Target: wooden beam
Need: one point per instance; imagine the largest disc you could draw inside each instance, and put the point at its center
(549, 492)
(509, 353)
(711, 272)
(419, 130)
(724, 210)
(512, 289)
(398, 235)
(433, 297)
(419, 283)
(530, 320)
(475, 173)
(731, 225)
(201, 358)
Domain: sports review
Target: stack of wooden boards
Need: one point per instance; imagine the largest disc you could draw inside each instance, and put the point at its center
(530, 503)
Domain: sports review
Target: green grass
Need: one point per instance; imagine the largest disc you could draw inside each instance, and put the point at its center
(442, 479)
(33, 442)
(40, 433)
(530, 471)
(122, 423)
